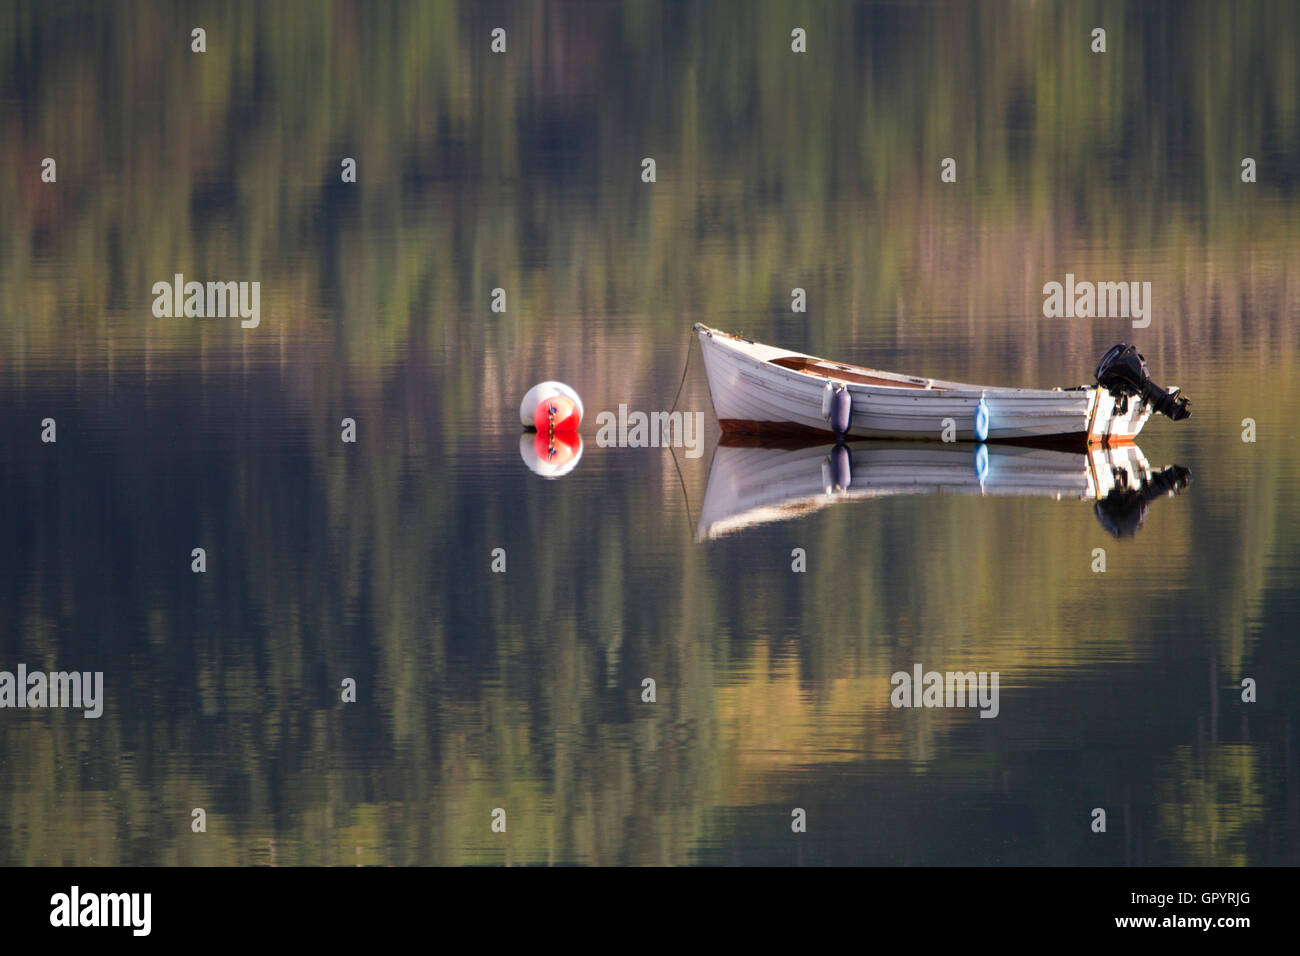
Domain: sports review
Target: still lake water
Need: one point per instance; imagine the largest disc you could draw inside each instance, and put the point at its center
(522, 691)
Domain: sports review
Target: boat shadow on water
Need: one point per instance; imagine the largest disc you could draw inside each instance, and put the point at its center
(754, 481)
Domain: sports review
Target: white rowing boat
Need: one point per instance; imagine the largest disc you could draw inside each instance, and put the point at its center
(757, 387)
(751, 485)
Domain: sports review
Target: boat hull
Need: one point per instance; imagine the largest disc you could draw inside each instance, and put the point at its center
(752, 393)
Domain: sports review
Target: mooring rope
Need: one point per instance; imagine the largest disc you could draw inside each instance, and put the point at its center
(671, 451)
(689, 344)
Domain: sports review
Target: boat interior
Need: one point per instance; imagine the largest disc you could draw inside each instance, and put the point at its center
(848, 373)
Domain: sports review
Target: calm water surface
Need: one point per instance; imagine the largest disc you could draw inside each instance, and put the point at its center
(522, 691)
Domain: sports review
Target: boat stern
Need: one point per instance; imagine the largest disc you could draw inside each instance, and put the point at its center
(1112, 421)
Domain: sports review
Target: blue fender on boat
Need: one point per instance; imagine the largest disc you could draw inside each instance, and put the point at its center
(981, 421)
(841, 412)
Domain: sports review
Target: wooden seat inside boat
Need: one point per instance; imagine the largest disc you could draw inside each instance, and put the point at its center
(845, 373)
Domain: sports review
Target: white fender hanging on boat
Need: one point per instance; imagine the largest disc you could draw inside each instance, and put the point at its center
(827, 394)
(551, 404)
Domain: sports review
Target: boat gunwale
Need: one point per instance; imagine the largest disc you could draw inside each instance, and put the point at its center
(936, 387)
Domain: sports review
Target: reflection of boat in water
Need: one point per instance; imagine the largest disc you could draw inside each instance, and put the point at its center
(753, 484)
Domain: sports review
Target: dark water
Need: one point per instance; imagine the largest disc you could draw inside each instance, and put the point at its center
(523, 690)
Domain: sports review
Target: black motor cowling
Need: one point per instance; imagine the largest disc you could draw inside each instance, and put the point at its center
(1122, 371)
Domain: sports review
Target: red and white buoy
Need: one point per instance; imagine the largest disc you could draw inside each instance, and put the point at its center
(551, 407)
(555, 411)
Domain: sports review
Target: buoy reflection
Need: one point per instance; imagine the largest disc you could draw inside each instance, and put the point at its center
(551, 455)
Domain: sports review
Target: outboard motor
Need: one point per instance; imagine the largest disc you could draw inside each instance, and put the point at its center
(1122, 371)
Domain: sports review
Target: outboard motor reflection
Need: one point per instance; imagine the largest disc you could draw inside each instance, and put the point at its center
(1123, 512)
(1123, 372)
